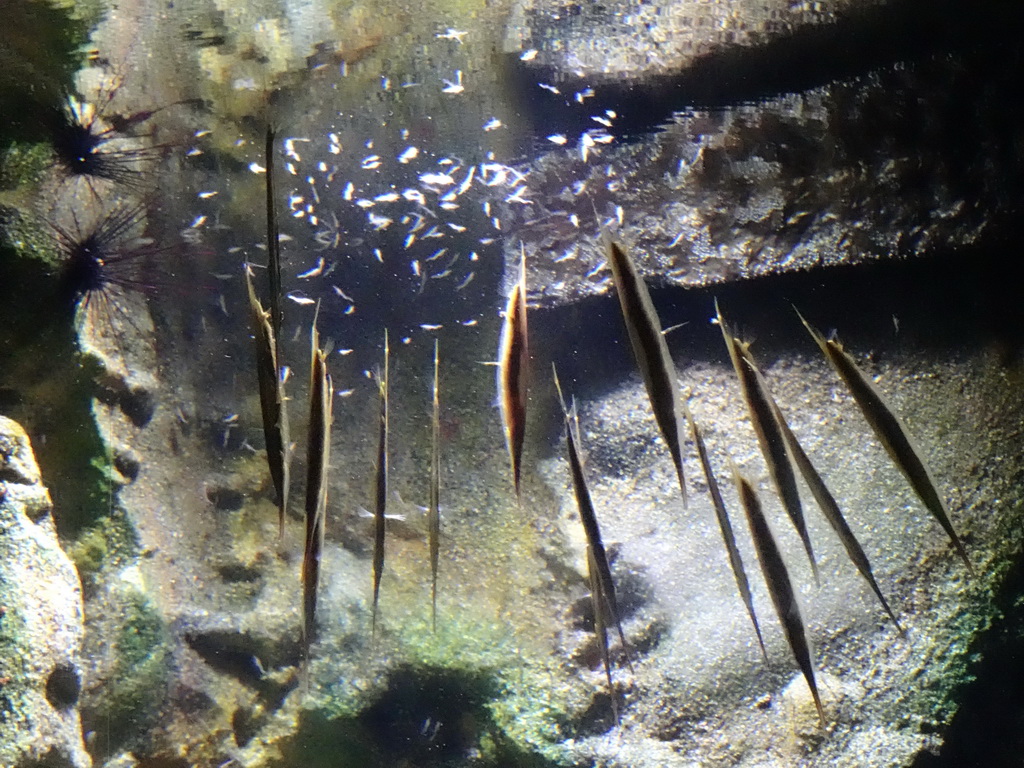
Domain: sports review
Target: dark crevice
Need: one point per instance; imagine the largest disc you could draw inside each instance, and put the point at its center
(865, 40)
(63, 686)
(965, 299)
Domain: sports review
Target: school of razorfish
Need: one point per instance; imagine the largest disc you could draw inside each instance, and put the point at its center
(781, 449)
(445, 181)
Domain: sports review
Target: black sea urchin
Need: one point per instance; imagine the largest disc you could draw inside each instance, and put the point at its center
(101, 260)
(88, 146)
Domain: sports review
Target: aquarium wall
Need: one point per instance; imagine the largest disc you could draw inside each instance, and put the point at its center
(510, 384)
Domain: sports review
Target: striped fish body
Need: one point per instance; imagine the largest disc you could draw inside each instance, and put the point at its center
(321, 397)
(272, 399)
(513, 380)
(891, 433)
(780, 588)
(650, 351)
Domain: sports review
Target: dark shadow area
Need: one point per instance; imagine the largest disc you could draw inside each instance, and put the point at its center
(960, 300)
(426, 717)
(50, 394)
(858, 43)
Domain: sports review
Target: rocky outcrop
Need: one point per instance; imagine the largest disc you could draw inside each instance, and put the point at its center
(40, 621)
(750, 161)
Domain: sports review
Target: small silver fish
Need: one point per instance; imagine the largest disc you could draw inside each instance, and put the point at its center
(321, 402)
(780, 588)
(380, 487)
(434, 507)
(769, 434)
(650, 350)
(513, 365)
(891, 433)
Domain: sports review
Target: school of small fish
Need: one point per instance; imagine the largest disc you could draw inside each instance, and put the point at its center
(436, 250)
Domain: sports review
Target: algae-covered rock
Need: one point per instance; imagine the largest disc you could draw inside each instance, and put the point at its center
(128, 662)
(40, 621)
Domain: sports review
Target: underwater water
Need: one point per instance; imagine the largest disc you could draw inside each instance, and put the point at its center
(390, 222)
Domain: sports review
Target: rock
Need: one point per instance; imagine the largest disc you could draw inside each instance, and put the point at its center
(879, 157)
(702, 685)
(636, 40)
(40, 621)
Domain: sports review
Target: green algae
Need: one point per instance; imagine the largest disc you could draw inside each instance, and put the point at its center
(23, 164)
(129, 699)
(424, 715)
(14, 671)
(107, 544)
(473, 689)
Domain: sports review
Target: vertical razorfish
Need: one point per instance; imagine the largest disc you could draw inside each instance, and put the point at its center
(271, 386)
(651, 352)
(830, 509)
(600, 569)
(769, 434)
(727, 533)
(780, 588)
(601, 611)
(273, 242)
(380, 487)
(513, 365)
(434, 510)
(890, 431)
(321, 397)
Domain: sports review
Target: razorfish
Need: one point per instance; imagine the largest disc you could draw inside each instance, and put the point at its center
(380, 486)
(272, 401)
(735, 561)
(601, 611)
(600, 569)
(434, 507)
(650, 350)
(321, 398)
(273, 241)
(513, 365)
(776, 577)
(769, 434)
(830, 509)
(891, 432)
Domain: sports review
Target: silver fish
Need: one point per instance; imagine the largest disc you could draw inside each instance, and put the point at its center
(434, 506)
(769, 434)
(380, 487)
(321, 399)
(830, 510)
(272, 401)
(513, 365)
(891, 433)
(727, 533)
(600, 569)
(650, 350)
(776, 577)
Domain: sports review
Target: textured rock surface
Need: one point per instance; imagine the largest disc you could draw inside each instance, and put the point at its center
(40, 620)
(899, 154)
(194, 604)
(631, 39)
(702, 694)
